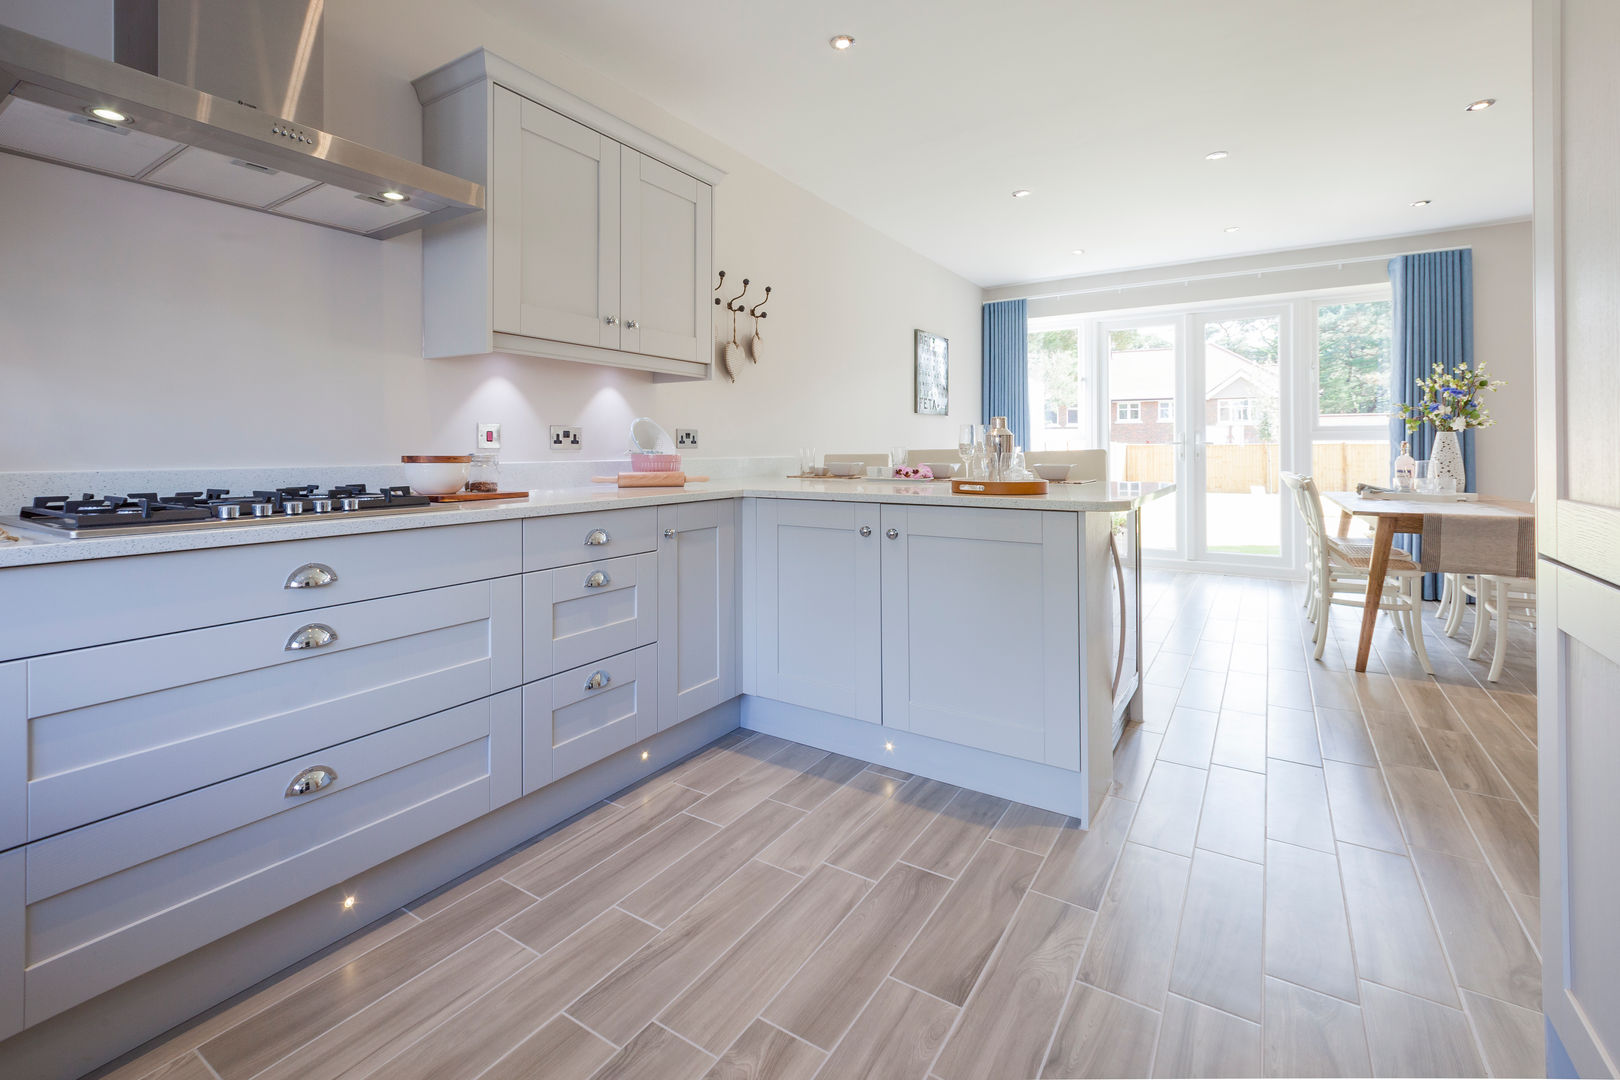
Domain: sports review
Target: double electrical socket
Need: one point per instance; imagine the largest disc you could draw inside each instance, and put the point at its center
(566, 440)
(686, 438)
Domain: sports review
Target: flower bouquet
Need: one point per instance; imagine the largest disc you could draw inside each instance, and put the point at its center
(1450, 400)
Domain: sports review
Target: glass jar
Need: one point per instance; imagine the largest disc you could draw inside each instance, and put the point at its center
(484, 473)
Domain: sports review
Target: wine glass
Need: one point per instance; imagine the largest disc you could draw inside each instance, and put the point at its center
(965, 442)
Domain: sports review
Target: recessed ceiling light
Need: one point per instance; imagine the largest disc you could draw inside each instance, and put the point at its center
(842, 42)
(1481, 105)
(112, 116)
(1021, 193)
(395, 196)
(1421, 202)
(1078, 251)
(1231, 228)
(1217, 155)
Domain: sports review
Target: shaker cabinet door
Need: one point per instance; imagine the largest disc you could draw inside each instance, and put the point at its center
(981, 629)
(817, 606)
(665, 238)
(697, 597)
(554, 209)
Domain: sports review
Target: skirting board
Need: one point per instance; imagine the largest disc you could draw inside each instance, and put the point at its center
(83, 1038)
(994, 774)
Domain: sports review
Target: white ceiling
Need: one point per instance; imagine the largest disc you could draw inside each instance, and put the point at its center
(1337, 113)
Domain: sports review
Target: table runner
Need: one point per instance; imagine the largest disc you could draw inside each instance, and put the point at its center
(1505, 546)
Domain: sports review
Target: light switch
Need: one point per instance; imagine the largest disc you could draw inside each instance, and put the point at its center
(489, 436)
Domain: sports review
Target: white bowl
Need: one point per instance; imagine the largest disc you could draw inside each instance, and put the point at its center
(845, 468)
(445, 475)
(1051, 472)
(942, 470)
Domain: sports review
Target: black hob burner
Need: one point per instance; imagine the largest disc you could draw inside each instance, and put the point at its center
(140, 511)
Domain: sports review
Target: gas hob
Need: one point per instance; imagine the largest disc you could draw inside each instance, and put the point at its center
(122, 515)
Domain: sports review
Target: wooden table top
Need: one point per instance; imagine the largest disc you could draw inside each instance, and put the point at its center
(1488, 506)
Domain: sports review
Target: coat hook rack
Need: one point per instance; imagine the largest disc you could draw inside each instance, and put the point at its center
(717, 288)
(755, 310)
(732, 305)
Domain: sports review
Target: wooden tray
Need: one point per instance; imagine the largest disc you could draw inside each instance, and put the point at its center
(998, 487)
(477, 496)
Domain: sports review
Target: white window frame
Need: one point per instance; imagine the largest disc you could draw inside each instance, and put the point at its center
(1234, 410)
(1167, 411)
(1127, 412)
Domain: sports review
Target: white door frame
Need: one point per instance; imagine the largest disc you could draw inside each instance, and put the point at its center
(1102, 411)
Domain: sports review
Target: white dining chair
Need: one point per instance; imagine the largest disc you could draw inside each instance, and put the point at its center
(1341, 568)
(1503, 600)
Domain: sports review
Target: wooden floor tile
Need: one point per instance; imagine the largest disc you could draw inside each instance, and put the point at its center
(767, 1053)
(655, 1054)
(1028, 827)
(1489, 950)
(466, 1044)
(1510, 839)
(1390, 926)
(1008, 1022)
(1518, 767)
(1291, 735)
(1344, 737)
(1249, 658)
(1410, 1036)
(1212, 656)
(716, 767)
(637, 990)
(1376, 692)
(270, 1035)
(1426, 806)
(890, 771)
(1465, 764)
(950, 840)
(189, 1067)
(1202, 690)
(1245, 692)
(1362, 813)
(898, 1035)
(1428, 705)
(892, 828)
(1190, 737)
(1297, 806)
(685, 881)
(954, 945)
(370, 1039)
(1307, 933)
(1240, 741)
(720, 1004)
(1168, 668)
(812, 787)
(567, 909)
(1397, 740)
(1101, 1035)
(1167, 816)
(1233, 821)
(1133, 759)
(567, 853)
(736, 797)
(1078, 869)
(1514, 1040)
(561, 1050)
(824, 997)
(1195, 1040)
(1311, 1034)
(1219, 949)
(1290, 689)
(802, 848)
(1529, 910)
(1134, 942)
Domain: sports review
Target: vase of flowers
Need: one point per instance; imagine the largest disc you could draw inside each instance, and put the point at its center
(1450, 400)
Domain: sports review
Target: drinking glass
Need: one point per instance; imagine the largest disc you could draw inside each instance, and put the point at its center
(966, 438)
(897, 457)
(1423, 479)
(808, 459)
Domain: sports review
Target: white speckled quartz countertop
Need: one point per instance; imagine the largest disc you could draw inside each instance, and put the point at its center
(36, 545)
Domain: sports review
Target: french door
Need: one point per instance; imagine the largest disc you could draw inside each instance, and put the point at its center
(1201, 399)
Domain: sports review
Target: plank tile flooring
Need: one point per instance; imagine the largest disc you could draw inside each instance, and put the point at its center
(1299, 871)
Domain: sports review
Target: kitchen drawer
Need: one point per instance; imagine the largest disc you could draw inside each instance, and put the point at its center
(581, 716)
(577, 538)
(73, 605)
(119, 726)
(110, 901)
(576, 614)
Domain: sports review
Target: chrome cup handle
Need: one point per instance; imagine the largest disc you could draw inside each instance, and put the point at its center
(312, 575)
(598, 579)
(314, 636)
(311, 779)
(596, 538)
(598, 680)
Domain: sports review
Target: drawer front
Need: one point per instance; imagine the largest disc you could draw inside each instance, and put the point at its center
(160, 594)
(579, 717)
(578, 538)
(119, 726)
(576, 614)
(113, 900)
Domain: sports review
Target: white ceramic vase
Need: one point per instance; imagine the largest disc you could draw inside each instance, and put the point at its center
(1445, 458)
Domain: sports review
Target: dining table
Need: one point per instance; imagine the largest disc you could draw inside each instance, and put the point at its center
(1485, 535)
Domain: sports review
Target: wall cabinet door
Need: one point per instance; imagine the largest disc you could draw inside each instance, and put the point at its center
(817, 606)
(981, 629)
(697, 599)
(554, 213)
(665, 236)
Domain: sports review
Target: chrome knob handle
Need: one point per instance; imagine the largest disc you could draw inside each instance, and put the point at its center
(597, 579)
(598, 680)
(312, 575)
(311, 779)
(611, 320)
(893, 534)
(631, 324)
(596, 538)
(314, 636)
(866, 530)
(669, 534)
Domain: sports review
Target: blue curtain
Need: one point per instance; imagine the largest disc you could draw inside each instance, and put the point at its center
(1006, 366)
(1433, 323)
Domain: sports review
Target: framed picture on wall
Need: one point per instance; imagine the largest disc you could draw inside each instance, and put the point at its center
(933, 374)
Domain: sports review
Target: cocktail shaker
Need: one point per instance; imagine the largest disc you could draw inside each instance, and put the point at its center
(998, 447)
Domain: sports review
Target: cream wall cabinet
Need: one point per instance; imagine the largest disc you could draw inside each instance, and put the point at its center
(597, 242)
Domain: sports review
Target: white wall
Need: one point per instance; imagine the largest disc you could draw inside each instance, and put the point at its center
(140, 328)
(1504, 454)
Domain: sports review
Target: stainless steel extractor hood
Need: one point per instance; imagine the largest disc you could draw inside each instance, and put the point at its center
(113, 118)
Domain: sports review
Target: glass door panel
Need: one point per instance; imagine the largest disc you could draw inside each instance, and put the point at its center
(1239, 449)
(1142, 363)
